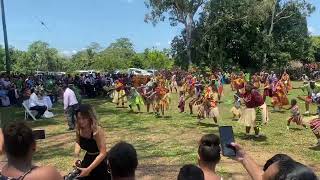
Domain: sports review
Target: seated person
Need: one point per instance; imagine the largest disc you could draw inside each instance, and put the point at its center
(190, 172)
(122, 161)
(36, 104)
(20, 146)
(282, 169)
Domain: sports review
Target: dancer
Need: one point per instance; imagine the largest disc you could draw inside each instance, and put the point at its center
(256, 80)
(312, 89)
(198, 90)
(119, 94)
(134, 98)
(235, 110)
(181, 102)
(255, 114)
(295, 115)
(315, 123)
(210, 103)
(285, 78)
(279, 96)
(233, 78)
(174, 84)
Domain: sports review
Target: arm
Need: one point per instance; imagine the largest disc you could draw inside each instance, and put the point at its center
(248, 163)
(65, 101)
(1, 142)
(77, 148)
(100, 139)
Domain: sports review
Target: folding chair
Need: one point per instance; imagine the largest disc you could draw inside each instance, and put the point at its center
(27, 111)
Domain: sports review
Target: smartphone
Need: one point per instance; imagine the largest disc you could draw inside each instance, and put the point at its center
(39, 134)
(226, 138)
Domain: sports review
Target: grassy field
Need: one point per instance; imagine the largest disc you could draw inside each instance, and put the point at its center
(165, 144)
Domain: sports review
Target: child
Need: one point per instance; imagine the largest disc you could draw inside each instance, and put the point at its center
(236, 111)
(295, 117)
(181, 102)
(315, 123)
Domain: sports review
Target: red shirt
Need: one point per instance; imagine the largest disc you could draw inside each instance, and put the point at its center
(252, 99)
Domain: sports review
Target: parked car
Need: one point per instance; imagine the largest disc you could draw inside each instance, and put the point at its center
(152, 71)
(137, 71)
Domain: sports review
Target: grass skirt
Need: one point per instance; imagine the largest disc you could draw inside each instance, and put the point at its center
(118, 97)
(137, 100)
(249, 116)
(315, 125)
(236, 111)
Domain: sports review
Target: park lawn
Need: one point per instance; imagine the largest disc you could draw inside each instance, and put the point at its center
(165, 144)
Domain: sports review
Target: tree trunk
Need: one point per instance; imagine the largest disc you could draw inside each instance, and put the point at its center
(189, 26)
(270, 29)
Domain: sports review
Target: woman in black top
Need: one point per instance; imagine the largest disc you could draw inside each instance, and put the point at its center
(90, 137)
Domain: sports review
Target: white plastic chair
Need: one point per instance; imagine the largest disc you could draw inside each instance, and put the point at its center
(27, 111)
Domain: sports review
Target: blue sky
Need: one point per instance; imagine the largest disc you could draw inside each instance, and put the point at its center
(74, 24)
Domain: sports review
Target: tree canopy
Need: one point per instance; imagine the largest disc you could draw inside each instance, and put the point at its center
(118, 55)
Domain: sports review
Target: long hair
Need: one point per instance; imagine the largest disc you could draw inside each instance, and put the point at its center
(88, 112)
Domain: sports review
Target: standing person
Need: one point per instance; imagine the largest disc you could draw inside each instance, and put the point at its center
(315, 123)
(256, 79)
(312, 89)
(255, 113)
(36, 104)
(285, 78)
(279, 96)
(91, 138)
(134, 98)
(70, 105)
(174, 84)
(181, 102)
(236, 109)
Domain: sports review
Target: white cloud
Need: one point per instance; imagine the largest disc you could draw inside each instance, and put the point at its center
(68, 53)
(312, 30)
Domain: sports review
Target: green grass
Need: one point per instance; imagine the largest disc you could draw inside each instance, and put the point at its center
(165, 144)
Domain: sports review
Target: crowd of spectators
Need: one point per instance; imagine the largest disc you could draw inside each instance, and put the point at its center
(19, 145)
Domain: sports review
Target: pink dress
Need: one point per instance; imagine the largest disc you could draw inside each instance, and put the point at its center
(296, 117)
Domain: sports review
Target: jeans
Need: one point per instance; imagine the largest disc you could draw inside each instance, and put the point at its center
(71, 115)
(40, 110)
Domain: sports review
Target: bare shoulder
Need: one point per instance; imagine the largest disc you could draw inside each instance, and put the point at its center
(99, 131)
(45, 172)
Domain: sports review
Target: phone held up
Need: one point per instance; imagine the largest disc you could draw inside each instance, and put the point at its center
(226, 138)
(39, 134)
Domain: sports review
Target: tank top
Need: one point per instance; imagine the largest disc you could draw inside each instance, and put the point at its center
(2, 177)
(88, 144)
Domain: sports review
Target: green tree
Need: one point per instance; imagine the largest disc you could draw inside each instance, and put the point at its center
(42, 57)
(155, 59)
(179, 11)
(316, 47)
(118, 55)
(281, 10)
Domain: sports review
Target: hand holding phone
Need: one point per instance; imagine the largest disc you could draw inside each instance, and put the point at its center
(226, 138)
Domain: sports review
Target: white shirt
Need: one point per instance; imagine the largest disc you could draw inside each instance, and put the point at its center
(35, 101)
(69, 98)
